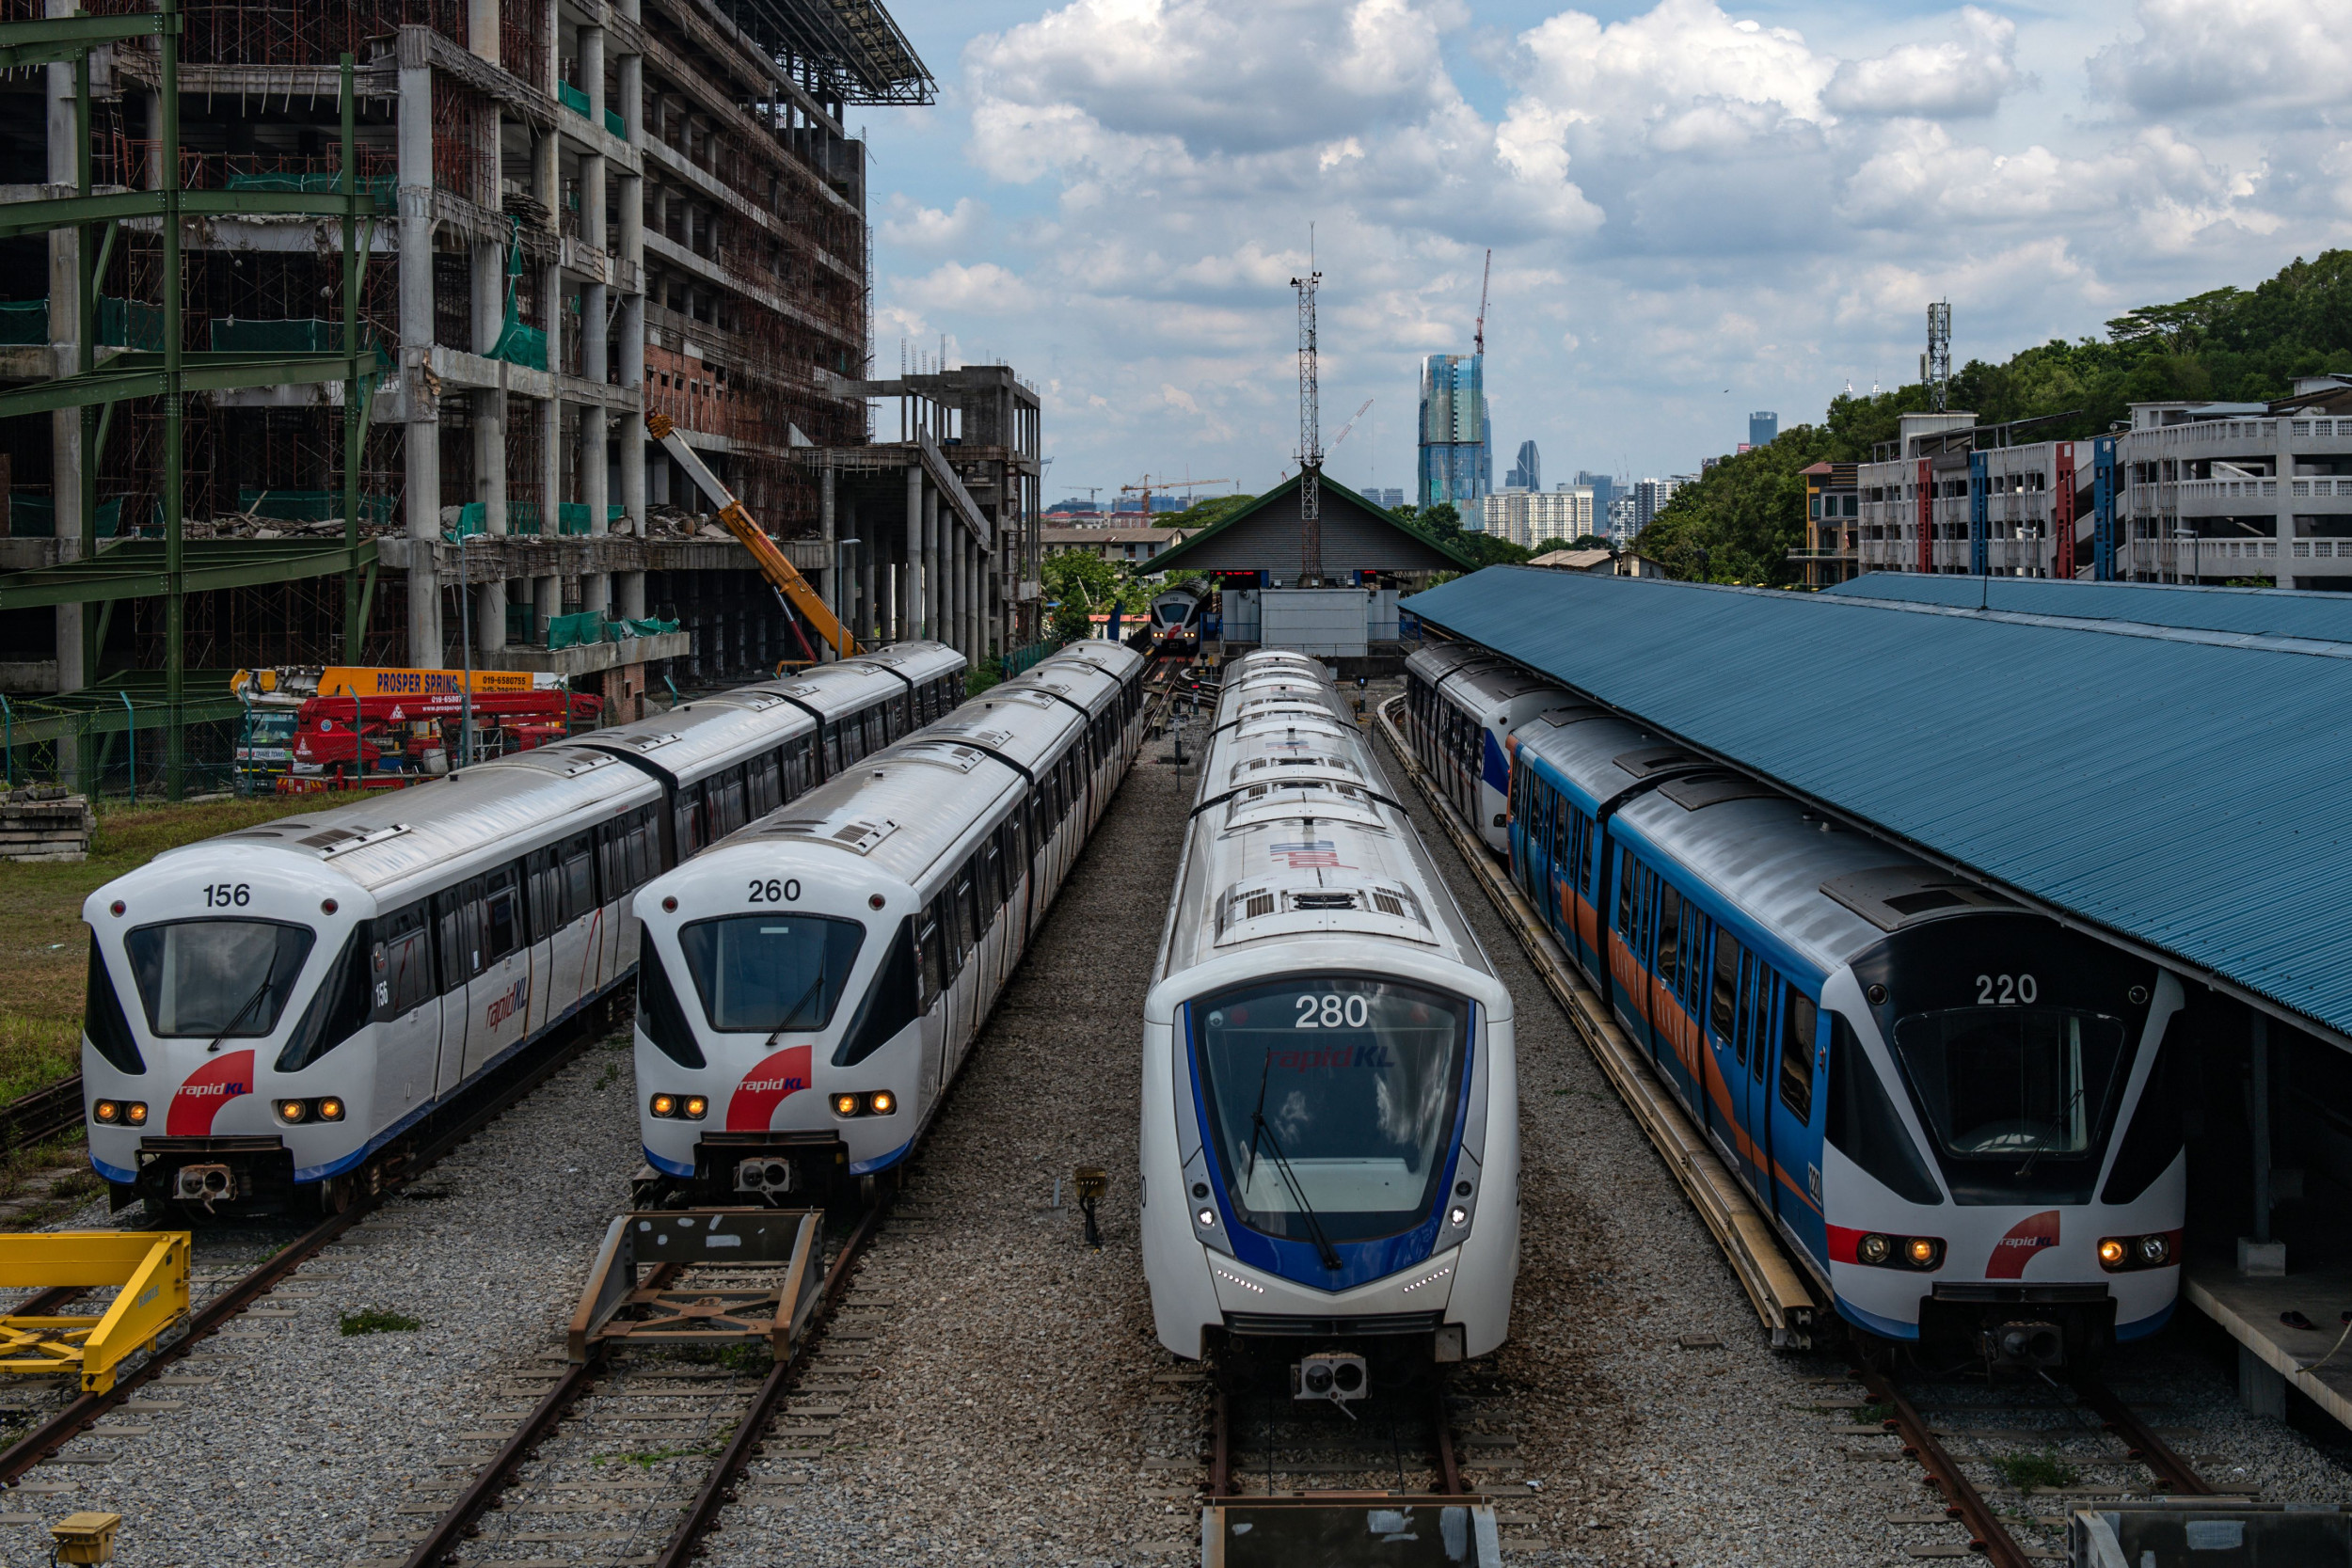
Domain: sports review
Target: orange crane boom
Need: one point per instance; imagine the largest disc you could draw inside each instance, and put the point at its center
(790, 585)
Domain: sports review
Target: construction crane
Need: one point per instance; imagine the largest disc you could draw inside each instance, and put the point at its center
(1151, 485)
(791, 588)
(1478, 339)
(1349, 425)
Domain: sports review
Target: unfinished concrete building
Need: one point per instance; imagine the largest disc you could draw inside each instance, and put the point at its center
(581, 212)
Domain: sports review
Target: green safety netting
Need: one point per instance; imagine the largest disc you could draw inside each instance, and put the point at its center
(472, 518)
(130, 324)
(572, 98)
(571, 631)
(616, 124)
(293, 335)
(621, 631)
(23, 322)
(309, 506)
(379, 187)
(36, 517)
(519, 345)
(523, 517)
(572, 516)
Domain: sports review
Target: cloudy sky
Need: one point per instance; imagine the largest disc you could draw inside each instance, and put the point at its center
(1696, 209)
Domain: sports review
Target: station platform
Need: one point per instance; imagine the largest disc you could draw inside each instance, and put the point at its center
(2273, 1356)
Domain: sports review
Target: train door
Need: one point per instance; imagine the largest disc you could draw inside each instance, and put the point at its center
(539, 895)
(456, 920)
(1797, 1097)
(1726, 1074)
(1752, 1035)
(406, 1010)
(934, 944)
(576, 966)
(1628, 996)
(501, 991)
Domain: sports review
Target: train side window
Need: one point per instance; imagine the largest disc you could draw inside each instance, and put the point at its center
(1586, 830)
(576, 881)
(949, 939)
(339, 1008)
(689, 820)
(1862, 1123)
(993, 871)
(767, 769)
(402, 962)
(1669, 931)
(644, 854)
(1798, 1018)
(795, 767)
(545, 875)
(1627, 867)
(1729, 956)
(455, 914)
(504, 930)
(832, 750)
(968, 905)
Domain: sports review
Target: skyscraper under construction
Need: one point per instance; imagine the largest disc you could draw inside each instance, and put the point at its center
(1456, 458)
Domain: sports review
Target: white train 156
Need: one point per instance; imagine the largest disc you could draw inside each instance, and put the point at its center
(812, 984)
(276, 1014)
(1330, 1129)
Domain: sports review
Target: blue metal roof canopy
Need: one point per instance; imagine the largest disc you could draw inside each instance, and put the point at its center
(2263, 611)
(2175, 789)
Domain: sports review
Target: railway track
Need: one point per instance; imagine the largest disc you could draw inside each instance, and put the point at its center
(1261, 1437)
(33, 1119)
(51, 1434)
(2086, 1408)
(728, 1410)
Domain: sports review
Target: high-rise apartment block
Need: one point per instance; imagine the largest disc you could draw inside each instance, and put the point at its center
(1604, 489)
(1528, 518)
(1456, 460)
(1763, 427)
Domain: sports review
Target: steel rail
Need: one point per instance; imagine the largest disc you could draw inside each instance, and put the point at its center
(40, 1115)
(717, 1488)
(1986, 1533)
(1221, 1448)
(2172, 1472)
(82, 1413)
(1449, 1472)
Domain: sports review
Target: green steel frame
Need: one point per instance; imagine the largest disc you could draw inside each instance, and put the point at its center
(174, 373)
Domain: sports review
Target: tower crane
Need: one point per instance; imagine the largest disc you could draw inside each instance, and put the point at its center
(1478, 339)
(1151, 485)
(1349, 425)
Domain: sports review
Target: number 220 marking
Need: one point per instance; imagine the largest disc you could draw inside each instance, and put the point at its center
(2006, 991)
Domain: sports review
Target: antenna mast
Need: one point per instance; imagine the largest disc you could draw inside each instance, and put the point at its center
(1935, 366)
(1310, 438)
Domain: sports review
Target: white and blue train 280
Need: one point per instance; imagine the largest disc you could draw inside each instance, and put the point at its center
(276, 1015)
(1961, 1116)
(809, 988)
(1329, 1139)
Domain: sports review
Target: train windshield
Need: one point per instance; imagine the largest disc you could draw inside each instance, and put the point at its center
(762, 973)
(2003, 1088)
(212, 979)
(1331, 1103)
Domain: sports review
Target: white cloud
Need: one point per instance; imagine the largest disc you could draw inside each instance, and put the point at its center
(2238, 57)
(928, 229)
(1964, 77)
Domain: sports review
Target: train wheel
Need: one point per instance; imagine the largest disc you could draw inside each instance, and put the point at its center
(334, 1195)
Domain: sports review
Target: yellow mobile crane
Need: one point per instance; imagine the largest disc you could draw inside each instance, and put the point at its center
(791, 586)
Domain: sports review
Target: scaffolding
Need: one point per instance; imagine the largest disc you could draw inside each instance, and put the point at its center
(164, 376)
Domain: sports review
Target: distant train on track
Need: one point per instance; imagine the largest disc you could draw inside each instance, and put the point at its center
(274, 1013)
(1961, 1115)
(814, 983)
(1330, 1099)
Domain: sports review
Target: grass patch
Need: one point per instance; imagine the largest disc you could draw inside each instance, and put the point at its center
(1880, 1412)
(374, 1321)
(2024, 1471)
(645, 1459)
(46, 948)
(611, 1075)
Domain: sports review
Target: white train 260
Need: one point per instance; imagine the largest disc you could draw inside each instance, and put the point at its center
(811, 985)
(1330, 1100)
(276, 1014)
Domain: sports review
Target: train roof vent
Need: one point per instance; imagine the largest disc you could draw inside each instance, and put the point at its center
(1642, 761)
(647, 743)
(1323, 901)
(331, 842)
(863, 833)
(1569, 713)
(1891, 897)
(1712, 787)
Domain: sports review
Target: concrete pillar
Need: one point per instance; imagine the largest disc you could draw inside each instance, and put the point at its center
(828, 532)
(592, 80)
(628, 594)
(952, 590)
(631, 434)
(595, 588)
(481, 28)
(65, 425)
(551, 464)
(423, 443)
(596, 339)
(546, 602)
(929, 581)
(868, 611)
(975, 634)
(909, 618)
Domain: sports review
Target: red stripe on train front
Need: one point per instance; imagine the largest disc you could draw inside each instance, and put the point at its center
(753, 1106)
(208, 1088)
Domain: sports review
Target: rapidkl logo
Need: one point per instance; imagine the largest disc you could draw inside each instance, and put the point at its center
(504, 1007)
(2013, 1252)
(775, 1080)
(208, 1088)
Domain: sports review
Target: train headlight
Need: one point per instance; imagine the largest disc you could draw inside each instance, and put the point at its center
(845, 1104)
(330, 1108)
(697, 1107)
(2118, 1254)
(107, 1112)
(1923, 1252)
(291, 1112)
(663, 1105)
(1460, 1216)
(884, 1103)
(1873, 1249)
(2156, 1250)
(1207, 1218)
(135, 1112)
(2112, 1252)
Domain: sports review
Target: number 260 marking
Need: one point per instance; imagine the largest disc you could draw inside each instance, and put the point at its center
(775, 891)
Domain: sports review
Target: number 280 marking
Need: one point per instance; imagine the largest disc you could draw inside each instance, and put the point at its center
(775, 891)
(2006, 991)
(1332, 1012)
